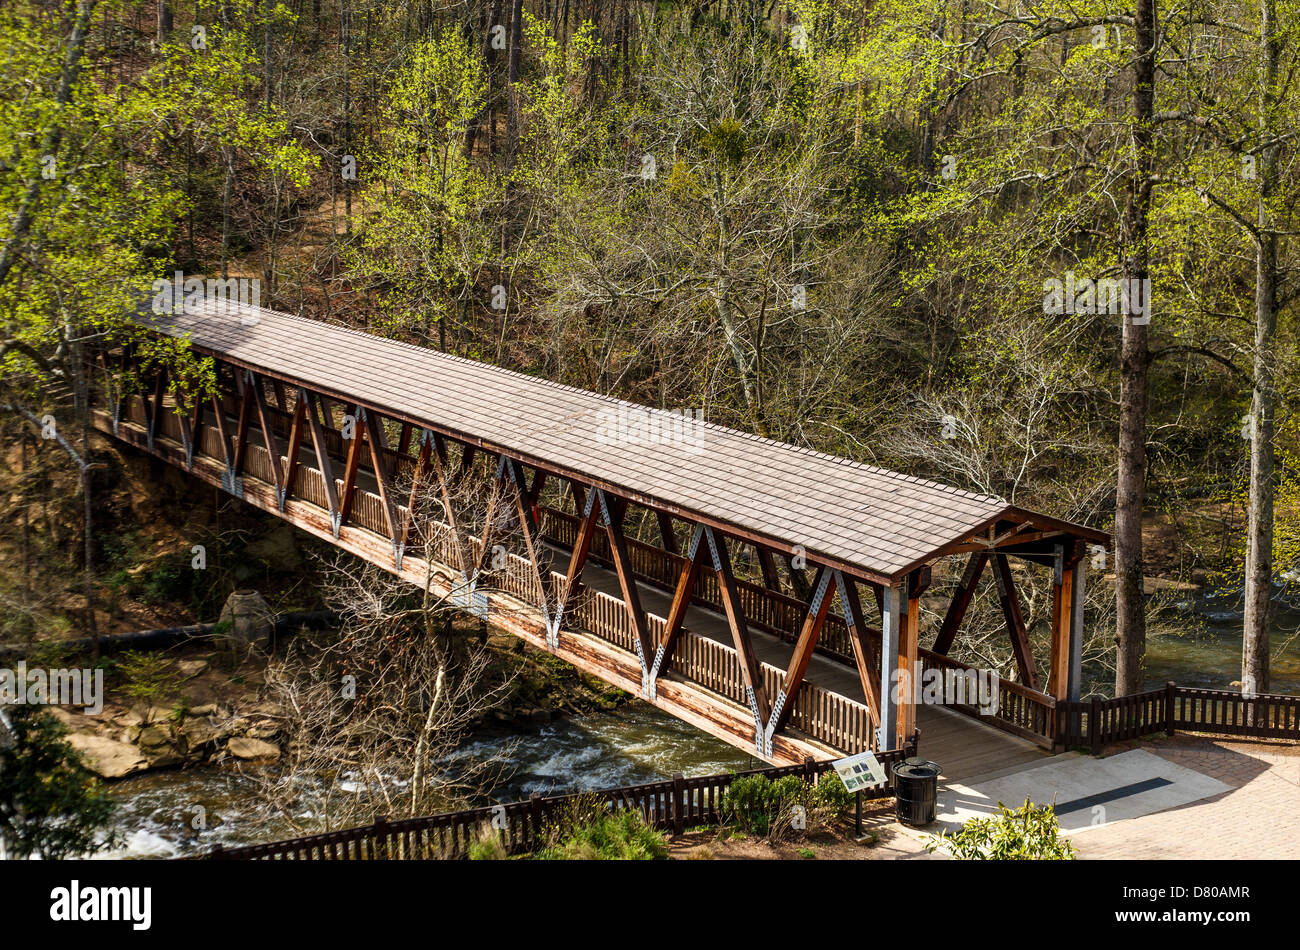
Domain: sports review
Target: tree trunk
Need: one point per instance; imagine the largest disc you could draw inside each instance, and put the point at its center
(1130, 489)
(1259, 531)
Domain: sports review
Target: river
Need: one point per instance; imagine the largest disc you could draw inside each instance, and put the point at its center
(636, 743)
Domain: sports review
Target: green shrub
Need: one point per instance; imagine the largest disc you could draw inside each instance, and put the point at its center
(488, 846)
(764, 807)
(1029, 833)
(613, 836)
(830, 795)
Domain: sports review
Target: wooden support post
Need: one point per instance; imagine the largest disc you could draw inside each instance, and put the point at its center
(961, 599)
(1058, 680)
(528, 525)
(797, 579)
(295, 445)
(864, 656)
(377, 441)
(1020, 645)
(681, 603)
(195, 433)
(489, 522)
(749, 668)
(771, 579)
(424, 461)
(613, 511)
(352, 465)
(783, 703)
(245, 391)
(323, 461)
(268, 438)
(153, 413)
(909, 637)
(461, 550)
(667, 537)
(577, 559)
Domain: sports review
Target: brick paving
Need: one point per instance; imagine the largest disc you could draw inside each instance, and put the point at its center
(1258, 818)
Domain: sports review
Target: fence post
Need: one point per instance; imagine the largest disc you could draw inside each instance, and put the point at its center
(535, 818)
(679, 804)
(380, 832)
(1094, 725)
(1171, 693)
(808, 766)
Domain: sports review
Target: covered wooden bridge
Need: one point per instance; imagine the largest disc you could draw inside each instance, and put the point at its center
(716, 574)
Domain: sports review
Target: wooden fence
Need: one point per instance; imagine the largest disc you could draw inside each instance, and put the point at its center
(1100, 721)
(671, 805)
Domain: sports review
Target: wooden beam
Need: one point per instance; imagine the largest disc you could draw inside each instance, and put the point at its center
(352, 465)
(295, 444)
(223, 432)
(528, 525)
(268, 438)
(681, 603)
(377, 441)
(961, 599)
(489, 518)
(771, 579)
(439, 460)
(613, 511)
(909, 636)
(783, 704)
(667, 537)
(1063, 619)
(577, 559)
(245, 416)
(797, 579)
(153, 414)
(323, 461)
(749, 668)
(424, 461)
(864, 655)
(1010, 600)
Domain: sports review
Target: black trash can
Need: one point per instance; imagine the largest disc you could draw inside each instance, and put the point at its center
(916, 787)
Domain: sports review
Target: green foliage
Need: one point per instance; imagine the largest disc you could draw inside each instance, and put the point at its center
(611, 836)
(51, 806)
(1029, 833)
(151, 678)
(763, 807)
(488, 846)
(830, 794)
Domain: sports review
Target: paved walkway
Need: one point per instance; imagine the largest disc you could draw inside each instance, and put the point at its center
(1257, 817)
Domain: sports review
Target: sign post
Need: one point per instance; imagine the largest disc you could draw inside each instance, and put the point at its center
(859, 772)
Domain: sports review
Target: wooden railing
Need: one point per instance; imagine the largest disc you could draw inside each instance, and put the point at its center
(672, 805)
(1097, 722)
(1019, 710)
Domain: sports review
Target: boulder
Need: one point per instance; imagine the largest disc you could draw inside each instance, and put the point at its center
(154, 737)
(243, 747)
(191, 668)
(106, 757)
(265, 729)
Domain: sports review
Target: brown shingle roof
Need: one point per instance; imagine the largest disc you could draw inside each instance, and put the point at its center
(879, 521)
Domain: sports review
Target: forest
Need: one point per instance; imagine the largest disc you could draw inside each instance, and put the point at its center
(1039, 250)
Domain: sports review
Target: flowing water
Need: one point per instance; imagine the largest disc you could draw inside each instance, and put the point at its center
(158, 812)
(637, 743)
